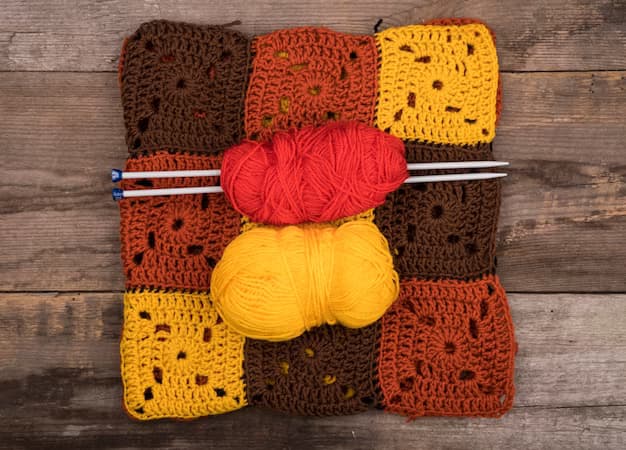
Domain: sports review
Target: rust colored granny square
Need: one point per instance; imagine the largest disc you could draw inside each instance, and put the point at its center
(445, 229)
(175, 241)
(447, 348)
(329, 370)
(307, 76)
(183, 87)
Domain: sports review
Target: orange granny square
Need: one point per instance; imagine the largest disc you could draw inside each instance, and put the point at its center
(175, 241)
(447, 348)
(307, 76)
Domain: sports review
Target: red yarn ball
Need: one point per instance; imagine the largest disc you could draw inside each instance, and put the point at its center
(313, 174)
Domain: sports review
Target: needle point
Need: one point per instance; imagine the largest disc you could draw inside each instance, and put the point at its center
(116, 175)
(118, 194)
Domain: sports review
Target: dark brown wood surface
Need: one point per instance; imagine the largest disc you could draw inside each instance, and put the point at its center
(561, 240)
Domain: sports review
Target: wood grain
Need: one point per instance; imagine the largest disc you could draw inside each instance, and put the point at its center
(584, 428)
(532, 35)
(562, 226)
(563, 133)
(60, 386)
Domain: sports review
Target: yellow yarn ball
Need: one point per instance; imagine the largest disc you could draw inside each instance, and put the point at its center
(276, 283)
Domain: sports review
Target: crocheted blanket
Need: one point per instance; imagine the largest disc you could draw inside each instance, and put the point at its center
(445, 347)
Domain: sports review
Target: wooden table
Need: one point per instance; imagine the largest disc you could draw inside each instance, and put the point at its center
(562, 232)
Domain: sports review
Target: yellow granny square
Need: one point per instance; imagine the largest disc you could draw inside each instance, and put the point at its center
(178, 358)
(438, 83)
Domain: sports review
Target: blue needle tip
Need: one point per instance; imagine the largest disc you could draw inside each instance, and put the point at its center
(116, 175)
(118, 194)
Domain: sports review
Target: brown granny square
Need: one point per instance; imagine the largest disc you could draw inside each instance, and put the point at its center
(328, 370)
(183, 87)
(443, 229)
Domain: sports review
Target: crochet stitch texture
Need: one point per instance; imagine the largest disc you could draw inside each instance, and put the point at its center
(438, 83)
(307, 76)
(178, 357)
(329, 370)
(445, 347)
(183, 87)
(174, 242)
(442, 230)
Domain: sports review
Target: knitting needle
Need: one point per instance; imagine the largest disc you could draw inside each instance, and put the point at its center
(119, 194)
(455, 177)
(118, 175)
(456, 165)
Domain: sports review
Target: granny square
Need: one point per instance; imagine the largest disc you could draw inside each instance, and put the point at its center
(460, 21)
(447, 348)
(307, 76)
(442, 229)
(183, 87)
(329, 370)
(438, 83)
(174, 241)
(178, 358)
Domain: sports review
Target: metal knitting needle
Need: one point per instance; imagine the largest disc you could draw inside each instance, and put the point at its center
(119, 194)
(455, 177)
(118, 175)
(456, 165)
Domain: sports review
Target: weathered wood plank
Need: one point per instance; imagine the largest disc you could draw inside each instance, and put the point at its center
(585, 428)
(535, 35)
(563, 211)
(60, 383)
